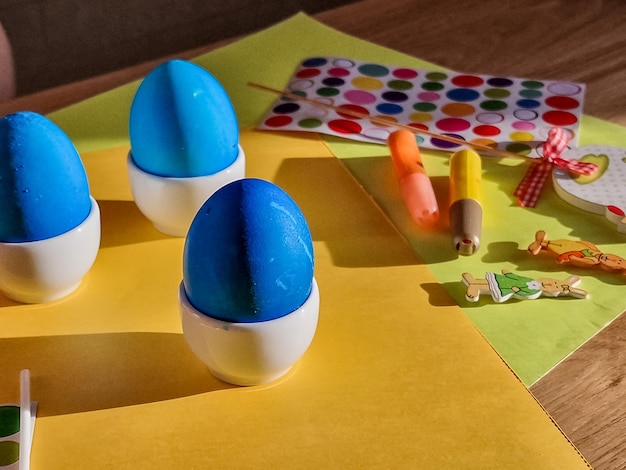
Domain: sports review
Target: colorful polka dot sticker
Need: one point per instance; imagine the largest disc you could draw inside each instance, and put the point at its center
(508, 113)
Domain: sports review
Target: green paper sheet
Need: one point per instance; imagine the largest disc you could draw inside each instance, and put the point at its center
(533, 335)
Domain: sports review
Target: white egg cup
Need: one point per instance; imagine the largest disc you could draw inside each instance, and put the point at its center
(46, 270)
(250, 353)
(172, 203)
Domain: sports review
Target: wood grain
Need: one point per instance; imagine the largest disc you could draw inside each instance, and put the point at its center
(586, 396)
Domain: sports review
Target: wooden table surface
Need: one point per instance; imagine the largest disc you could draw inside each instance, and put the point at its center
(549, 39)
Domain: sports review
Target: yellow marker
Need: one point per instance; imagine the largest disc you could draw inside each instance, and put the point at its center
(415, 185)
(465, 193)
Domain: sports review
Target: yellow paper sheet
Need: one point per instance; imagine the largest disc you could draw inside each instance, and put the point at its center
(396, 376)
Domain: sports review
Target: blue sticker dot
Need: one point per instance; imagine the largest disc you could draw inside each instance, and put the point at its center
(389, 108)
(444, 144)
(333, 81)
(500, 82)
(373, 70)
(462, 94)
(395, 96)
(528, 104)
(314, 62)
(286, 108)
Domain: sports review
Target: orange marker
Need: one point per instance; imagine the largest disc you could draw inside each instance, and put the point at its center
(415, 185)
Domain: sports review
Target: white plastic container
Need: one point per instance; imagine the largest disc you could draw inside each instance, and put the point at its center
(250, 353)
(171, 203)
(46, 270)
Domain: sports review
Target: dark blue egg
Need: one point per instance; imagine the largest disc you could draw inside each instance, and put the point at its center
(182, 123)
(248, 255)
(44, 190)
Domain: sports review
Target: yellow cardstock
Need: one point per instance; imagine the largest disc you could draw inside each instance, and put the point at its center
(396, 377)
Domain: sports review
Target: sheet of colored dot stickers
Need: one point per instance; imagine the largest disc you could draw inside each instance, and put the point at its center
(507, 113)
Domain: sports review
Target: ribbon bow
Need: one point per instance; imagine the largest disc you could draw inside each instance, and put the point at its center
(529, 189)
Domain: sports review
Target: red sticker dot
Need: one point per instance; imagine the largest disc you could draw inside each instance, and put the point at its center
(465, 81)
(338, 72)
(559, 118)
(420, 126)
(343, 126)
(428, 96)
(486, 130)
(562, 102)
(308, 73)
(404, 74)
(453, 124)
(278, 121)
(351, 108)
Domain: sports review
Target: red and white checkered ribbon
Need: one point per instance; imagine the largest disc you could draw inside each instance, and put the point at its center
(529, 189)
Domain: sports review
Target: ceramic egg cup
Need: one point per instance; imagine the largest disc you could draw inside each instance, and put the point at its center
(171, 203)
(250, 353)
(46, 270)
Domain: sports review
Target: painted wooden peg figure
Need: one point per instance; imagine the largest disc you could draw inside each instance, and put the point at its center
(577, 252)
(503, 286)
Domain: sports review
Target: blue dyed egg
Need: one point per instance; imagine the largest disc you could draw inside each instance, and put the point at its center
(248, 255)
(182, 123)
(44, 190)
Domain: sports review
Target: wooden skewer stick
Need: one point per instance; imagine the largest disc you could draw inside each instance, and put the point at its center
(384, 122)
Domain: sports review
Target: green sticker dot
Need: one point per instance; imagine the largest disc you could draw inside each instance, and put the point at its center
(295, 92)
(328, 91)
(534, 84)
(493, 105)
(9, 420)
(9, 452)
(424, 107)
(432, 86)
(531, 94)
(497, 93)
(436, 76)
(310, 123)
(400, 85)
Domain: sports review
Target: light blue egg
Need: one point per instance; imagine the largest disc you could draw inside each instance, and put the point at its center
(248, 255)
(182, 123)
(44, 190)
